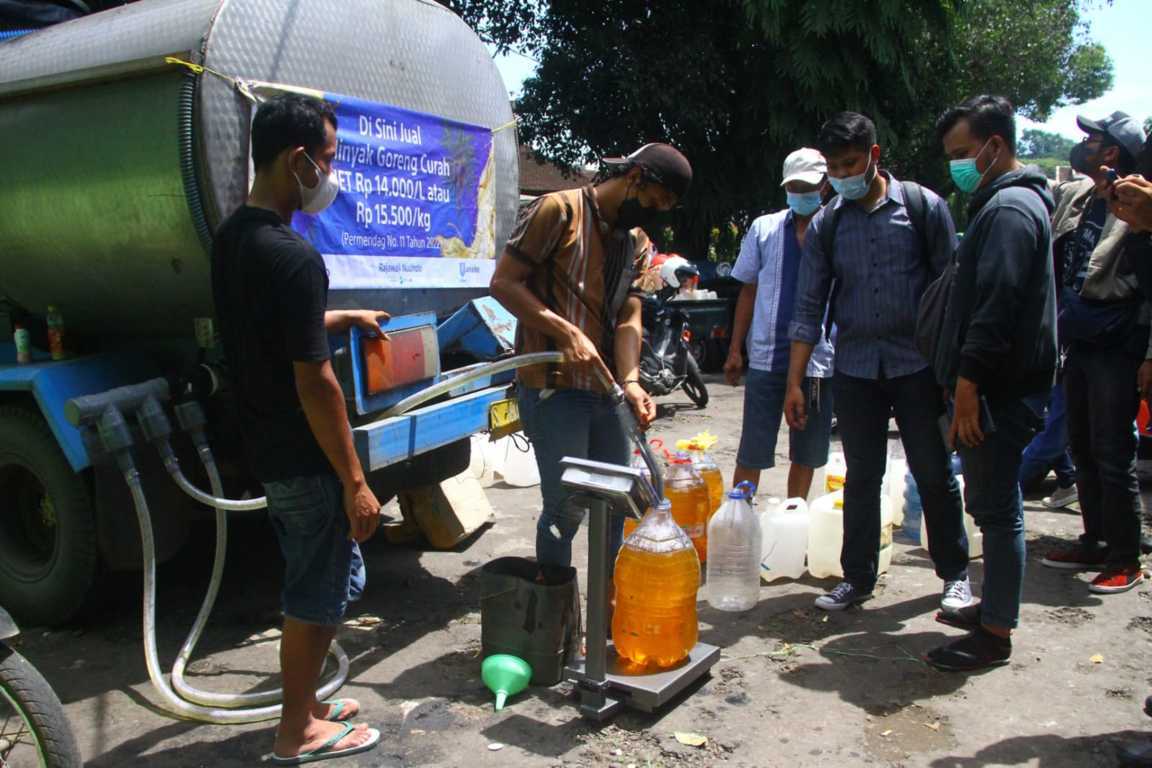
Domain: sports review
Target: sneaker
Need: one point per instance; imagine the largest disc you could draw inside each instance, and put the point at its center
(1061, 498)
(1115, 580)
(843, 596)
(1075, 558)
(957, 595)
(979, 650)
(965, 618)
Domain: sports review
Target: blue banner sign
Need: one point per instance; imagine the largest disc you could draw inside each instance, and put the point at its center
(416, 206)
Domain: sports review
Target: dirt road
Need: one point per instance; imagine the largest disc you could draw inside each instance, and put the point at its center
(795, 687)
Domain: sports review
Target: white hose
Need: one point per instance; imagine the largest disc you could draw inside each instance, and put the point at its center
(190, 703)
(480, 372)
(172, 465)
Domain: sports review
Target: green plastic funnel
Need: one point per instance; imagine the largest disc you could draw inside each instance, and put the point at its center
(505, 675)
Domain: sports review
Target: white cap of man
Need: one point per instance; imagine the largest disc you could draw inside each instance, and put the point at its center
(806, 165)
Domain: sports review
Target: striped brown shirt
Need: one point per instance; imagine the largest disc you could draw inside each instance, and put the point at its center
(583, 270)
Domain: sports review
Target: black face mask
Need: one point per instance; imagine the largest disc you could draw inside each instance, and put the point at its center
(633, 214)
(1081, 160)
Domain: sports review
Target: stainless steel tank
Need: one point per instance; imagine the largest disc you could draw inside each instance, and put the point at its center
(115, 167)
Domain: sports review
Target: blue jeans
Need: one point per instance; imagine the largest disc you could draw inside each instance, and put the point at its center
(764, 393)
(583, 425)
(1049, 449)
(992, 494)
(862, 409)
(323, 569)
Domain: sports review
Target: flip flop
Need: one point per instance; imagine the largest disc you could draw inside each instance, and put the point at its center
(326, 750)
(338, 714)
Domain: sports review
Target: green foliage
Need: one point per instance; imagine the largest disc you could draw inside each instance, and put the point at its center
(737, 84)
(1036, 143)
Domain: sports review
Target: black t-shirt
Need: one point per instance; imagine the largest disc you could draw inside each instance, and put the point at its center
(271, 291)
(1078, 246)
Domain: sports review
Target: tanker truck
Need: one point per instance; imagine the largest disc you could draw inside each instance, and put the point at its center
(126, 144)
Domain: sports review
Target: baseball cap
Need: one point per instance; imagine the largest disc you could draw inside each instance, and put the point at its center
(1121, 127)
(663, 162)
(806, 165)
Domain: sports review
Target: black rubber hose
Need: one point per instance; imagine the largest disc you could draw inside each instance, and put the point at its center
(188, 162)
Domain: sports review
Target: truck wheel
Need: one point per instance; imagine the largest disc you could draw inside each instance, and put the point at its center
(48, 555)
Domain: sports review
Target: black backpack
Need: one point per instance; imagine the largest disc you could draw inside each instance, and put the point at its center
(917, 214)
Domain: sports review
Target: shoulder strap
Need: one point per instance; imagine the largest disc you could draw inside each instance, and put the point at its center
(918, 214)
(828, 228)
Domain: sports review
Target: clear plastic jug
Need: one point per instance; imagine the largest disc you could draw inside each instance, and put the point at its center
(785, 540)
(734, 547)
(835, 472)
(657, 576)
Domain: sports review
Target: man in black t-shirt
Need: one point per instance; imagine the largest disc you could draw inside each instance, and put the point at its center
(270, 288)
(1104, 331)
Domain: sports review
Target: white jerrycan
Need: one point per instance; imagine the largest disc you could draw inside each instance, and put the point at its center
(785, 540)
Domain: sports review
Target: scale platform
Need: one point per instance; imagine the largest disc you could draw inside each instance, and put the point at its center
(646, 692)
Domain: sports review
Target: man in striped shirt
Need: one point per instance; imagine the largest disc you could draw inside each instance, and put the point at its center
(768, 266)
(568, 275)
(889, 240)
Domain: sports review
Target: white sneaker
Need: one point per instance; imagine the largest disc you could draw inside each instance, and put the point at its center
(957, 595)
(1062, 498)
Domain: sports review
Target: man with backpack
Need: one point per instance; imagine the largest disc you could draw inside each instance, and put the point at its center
(1105, 332)
(996, 353)
(870, 253)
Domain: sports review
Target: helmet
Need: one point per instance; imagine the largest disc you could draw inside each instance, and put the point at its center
(677, 268)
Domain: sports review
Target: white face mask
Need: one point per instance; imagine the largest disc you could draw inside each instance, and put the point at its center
(316, 199)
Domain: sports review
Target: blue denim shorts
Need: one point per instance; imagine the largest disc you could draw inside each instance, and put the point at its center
(323, 569)
(764, 393)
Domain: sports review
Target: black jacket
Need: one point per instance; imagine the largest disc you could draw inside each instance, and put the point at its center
(1003, 303)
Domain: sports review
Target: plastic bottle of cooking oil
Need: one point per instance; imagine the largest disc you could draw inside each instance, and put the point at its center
(689, 496)
(657, 576)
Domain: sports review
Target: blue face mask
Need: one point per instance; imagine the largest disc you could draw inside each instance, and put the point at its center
(854, 187)
(803, 203)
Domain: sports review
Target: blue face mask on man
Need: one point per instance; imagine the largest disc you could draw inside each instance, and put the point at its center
(803, 203)
(854, 187)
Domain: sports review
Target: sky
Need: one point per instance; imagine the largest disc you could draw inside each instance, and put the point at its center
(1119, 26)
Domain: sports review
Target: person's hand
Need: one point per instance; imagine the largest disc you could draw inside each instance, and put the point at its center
(734, 367)
(581, 354)
(363, 510)
(1132, 202)
(367, 320)
(966, 419)
(795, 407)
(1144, 380)
(642, 404)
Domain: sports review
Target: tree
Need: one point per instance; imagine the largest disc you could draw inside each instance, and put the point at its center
(1036, 143)
(737, 84)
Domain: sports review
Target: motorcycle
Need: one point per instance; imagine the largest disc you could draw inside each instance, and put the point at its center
(666, 360)
(33, 728)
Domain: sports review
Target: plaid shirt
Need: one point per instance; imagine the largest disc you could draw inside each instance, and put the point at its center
(580, 265)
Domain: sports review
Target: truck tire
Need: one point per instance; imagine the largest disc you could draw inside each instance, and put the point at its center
(48, 552)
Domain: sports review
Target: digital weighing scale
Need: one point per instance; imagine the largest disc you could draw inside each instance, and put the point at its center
(603, 684)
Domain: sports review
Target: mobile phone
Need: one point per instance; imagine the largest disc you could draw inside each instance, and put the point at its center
(1112, 178)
